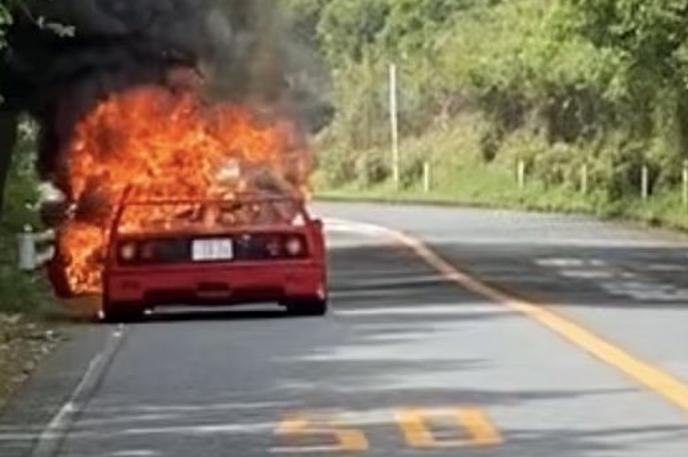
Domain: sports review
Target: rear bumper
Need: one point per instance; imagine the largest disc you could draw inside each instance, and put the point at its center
(215, 284)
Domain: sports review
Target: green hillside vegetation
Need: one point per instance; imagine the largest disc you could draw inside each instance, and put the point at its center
(484, 84)
(21, 292)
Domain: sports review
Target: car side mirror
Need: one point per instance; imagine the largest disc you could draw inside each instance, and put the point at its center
(319, 224)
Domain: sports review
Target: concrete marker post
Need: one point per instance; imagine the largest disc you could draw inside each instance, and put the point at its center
(685, 183)
(645, 183)
(394, 124)
(584, 185)
(34, 249)
(427, 177)
(521, 174)
(26, 250)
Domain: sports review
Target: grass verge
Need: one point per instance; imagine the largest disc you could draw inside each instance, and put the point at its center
(491, 187)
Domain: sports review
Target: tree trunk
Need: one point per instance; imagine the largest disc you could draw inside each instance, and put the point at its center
(8, 138)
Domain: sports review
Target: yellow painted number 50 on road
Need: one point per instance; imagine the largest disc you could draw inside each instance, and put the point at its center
(475, 430)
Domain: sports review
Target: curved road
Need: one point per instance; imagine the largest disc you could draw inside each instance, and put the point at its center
(453, 332)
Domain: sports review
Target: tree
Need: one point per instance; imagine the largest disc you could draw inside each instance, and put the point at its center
(8, 119)
(348, 28)
(6, 7)
(413, 25)
(10, 11)
(304, 17)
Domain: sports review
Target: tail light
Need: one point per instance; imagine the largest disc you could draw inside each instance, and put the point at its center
(295, 246)
(128, 251)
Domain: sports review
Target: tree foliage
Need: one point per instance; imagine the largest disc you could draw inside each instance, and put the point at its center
(6, 7)
(603, 78)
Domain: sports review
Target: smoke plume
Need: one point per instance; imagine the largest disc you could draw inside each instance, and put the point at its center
(238, 48)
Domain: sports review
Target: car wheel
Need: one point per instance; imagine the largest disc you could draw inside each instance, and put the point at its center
(122, 313)
(307, 308)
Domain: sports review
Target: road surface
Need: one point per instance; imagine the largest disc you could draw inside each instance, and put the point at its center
(452, 332)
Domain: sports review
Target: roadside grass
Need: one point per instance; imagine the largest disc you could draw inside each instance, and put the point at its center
(479, 185)
(665, 210)
(489, 186)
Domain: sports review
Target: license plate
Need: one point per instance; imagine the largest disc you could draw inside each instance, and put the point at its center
(213, 249)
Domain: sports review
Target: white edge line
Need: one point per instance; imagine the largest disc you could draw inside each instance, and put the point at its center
(49, 440)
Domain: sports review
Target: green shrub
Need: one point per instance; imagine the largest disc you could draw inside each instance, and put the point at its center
(338, 164)
(373, 167)
(21, 292)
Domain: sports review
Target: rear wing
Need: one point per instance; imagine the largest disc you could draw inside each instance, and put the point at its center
(242, 197)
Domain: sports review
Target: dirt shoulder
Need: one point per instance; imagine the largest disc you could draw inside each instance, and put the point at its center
(24, 342)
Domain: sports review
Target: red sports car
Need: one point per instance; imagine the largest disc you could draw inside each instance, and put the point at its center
(215, 253)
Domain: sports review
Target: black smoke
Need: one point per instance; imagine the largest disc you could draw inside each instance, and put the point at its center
(239, 48)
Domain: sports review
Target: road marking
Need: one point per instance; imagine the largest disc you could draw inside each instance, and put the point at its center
(587, 274)
(51, 438)
(480, 430)
(654, 378)
(347, 440)
(667, 268)
(475, 430)
(619, 281)
(135, 453)
(428, 310)
(569, 262)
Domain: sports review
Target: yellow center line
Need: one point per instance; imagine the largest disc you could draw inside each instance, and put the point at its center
(654, 378)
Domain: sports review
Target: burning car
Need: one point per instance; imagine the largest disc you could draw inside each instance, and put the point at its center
(164, 175)
(221, 252)
(180, 99)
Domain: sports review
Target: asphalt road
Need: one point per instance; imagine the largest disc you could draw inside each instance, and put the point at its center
(505, 334)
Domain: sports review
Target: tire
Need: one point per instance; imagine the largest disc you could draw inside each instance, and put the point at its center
(307, 308)
(122, 313)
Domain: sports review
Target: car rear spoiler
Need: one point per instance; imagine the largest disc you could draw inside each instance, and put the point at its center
(238, 198)
(244, 197)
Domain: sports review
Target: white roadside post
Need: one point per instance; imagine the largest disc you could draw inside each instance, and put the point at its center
(521, 174)
(394, 121)
(29, 257)
(685, 182)
(645, 183)
(584, 179)
(26, 250)
(427, 177)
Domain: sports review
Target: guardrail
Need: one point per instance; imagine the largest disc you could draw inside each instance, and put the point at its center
(34, 249)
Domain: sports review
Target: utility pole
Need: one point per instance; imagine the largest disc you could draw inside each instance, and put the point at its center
(394, 121)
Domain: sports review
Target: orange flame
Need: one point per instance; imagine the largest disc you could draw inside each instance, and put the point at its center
(167, 144)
